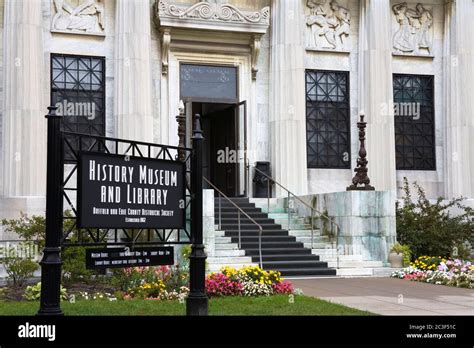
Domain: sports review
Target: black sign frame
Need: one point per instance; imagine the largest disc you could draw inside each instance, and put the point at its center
(76, 144)
(80, 188)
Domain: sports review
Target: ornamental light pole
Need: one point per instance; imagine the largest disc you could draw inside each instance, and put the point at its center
(51, 261)
(197, 302)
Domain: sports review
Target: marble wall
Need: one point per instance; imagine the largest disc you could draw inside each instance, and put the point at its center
(1, 83)
(258, 91)
(331, 180)
(88, 45)
(366, 220)
(432, 181)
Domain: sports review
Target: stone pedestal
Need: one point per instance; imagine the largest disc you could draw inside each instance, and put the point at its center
(133, 101)
(459, 104)
(366, 219)
(287, 97)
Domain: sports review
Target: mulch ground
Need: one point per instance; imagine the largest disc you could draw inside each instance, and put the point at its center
(15, 293)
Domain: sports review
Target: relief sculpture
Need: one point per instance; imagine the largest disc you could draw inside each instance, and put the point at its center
(330, 25)
(86, 17)
(413, 36)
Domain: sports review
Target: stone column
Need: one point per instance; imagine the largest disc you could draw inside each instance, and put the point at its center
(23, 167)
(376, 91)
(459, 104)
(133, 100)
(287, 97)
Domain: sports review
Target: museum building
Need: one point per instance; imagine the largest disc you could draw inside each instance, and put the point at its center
(279, 84)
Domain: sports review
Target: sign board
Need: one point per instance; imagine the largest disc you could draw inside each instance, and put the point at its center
(116, 191)
(206, 82)
(124, 257)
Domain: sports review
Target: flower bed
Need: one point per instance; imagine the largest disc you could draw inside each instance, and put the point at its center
(439, 271)
(152, 283)
(247, 281)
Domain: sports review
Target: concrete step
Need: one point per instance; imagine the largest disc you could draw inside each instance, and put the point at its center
(228, 260)
(293, 226)
(365, 272)
(324, 251)
(298, 272)
(283, 216)
(223, 240)
(303, 232)
(219, 233)
(329, 258)
(229, 253)
(315, 245)
(355, 264)
(316, 239)
(226, 246)
(250, 227)
(294, 264)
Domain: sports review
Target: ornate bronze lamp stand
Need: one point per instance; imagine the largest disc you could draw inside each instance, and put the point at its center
(361, 177)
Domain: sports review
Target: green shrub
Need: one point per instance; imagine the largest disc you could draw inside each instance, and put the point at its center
(32, 229)
(429, 229)
(18, 269)
(74, 265)
(33, 293)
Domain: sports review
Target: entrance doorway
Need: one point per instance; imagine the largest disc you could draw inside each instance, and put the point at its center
(220, 127)
(212, 92)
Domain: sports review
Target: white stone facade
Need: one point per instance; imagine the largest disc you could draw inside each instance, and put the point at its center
(272, 42)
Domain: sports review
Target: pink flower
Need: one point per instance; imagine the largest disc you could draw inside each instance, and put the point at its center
(217, 284)
(283, 288)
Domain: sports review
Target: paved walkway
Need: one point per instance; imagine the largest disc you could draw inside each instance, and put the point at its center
(388, 296)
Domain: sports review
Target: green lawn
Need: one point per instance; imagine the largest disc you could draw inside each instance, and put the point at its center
(274, 305)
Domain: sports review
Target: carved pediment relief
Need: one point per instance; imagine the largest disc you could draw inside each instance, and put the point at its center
(211, 16)
(210, 13)
(412, 30)
(328, 26)
(78, 17)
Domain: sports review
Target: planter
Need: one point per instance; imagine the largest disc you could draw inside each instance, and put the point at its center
(396, 260)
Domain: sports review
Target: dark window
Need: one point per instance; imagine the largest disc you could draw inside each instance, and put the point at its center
(328, 119)
(414, 122)
(78, 88)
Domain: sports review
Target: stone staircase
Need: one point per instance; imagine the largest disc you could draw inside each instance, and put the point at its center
(350, 265)
(281, 251)
(289, 251)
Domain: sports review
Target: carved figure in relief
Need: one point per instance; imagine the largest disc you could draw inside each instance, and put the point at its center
(414, 29)
(333, 24)
(402, 39)
(87, 17)
(423, 38)
(342, 22)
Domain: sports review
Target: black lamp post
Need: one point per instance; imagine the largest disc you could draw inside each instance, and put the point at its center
(51, 261)
(197, 302)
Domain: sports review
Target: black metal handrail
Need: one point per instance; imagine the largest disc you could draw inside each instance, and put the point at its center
(313, 210)
(240, 211)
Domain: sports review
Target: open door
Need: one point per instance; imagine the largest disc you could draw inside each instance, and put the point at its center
(241, 136)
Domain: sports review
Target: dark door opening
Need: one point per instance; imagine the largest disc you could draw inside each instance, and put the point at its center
(220, 151)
